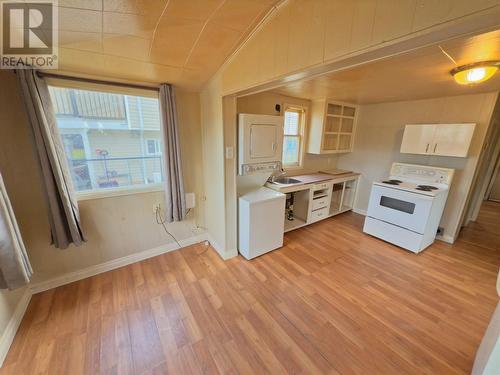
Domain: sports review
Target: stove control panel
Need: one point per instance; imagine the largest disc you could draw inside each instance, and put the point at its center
(423, 173)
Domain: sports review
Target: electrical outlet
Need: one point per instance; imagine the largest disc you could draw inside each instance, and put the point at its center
(156, 207)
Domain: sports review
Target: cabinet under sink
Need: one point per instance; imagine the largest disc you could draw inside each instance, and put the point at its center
(319, 201)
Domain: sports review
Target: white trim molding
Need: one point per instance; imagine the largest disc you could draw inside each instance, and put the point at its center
(10, 331)
(113, 264)
(224, 254)
(359, 211)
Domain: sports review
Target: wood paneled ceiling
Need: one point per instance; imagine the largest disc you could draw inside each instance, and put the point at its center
(422, 73)
(183, 42)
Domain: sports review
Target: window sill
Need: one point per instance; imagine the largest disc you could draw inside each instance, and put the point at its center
(117, 192)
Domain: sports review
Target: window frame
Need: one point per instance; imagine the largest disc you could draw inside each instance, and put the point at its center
(111, 89)
(301, 133)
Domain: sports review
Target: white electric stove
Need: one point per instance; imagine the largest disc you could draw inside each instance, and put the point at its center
(406, 208)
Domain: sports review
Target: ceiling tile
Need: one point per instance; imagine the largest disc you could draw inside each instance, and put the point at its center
(81, 4)
(144, 7)
(213, 47)
(129, 24)
(238, 14)
(80, 40)
(174, 39)
(80, 20)
(126, 46)
(194, 9)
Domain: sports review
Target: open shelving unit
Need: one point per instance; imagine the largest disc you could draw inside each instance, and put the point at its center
(332, 127)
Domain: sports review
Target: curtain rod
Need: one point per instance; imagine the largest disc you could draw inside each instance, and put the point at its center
(97, 81)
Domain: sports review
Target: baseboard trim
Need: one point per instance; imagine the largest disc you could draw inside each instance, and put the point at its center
(113, 264)
(359, 211)
(225, 255)
(446, 238)
(15, 321)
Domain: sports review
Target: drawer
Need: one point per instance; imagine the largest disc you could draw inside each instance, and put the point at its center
(322, 186)
(318, 215)
(320, 203)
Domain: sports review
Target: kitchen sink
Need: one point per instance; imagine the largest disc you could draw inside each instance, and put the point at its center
(285, 181)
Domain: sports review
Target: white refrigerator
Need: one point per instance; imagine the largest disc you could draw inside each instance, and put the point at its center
(261, 222)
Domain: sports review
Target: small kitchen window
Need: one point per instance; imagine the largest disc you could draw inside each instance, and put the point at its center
(293, 136)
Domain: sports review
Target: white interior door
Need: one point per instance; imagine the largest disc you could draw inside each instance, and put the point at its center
(452, 139)
(417, 139)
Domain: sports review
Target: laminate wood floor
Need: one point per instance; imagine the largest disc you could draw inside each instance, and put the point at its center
(332, 300)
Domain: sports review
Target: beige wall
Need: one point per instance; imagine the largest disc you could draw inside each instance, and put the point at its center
(378, 140)
(116, 226)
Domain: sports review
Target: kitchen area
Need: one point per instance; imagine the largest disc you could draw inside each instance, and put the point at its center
(404, 159)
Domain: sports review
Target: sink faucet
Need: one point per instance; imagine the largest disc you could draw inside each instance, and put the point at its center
(274, 176)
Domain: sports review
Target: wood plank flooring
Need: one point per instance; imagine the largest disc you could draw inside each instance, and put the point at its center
(331, 301)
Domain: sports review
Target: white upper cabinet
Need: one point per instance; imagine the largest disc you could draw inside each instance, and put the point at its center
(438, 139)
(417, 139)
(332, 127)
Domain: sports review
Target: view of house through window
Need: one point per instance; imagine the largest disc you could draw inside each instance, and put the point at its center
(111, 140)
(292, 139)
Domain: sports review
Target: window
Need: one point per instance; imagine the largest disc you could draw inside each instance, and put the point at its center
(293, 136)
(111, 140)
(153, 146)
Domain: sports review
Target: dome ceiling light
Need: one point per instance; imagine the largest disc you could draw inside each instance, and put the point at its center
(471, 74)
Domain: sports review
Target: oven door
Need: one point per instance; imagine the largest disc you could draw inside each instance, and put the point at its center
(402, 208)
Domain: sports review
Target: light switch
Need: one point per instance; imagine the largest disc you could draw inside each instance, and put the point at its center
(229, 152)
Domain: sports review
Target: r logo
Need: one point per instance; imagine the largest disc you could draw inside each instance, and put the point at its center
(29, 34)
(27, 28)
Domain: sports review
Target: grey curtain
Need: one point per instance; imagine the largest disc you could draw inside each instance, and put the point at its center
(15, 267)
(175, 200)
(64, 216)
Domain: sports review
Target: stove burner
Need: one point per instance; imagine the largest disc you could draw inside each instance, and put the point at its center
(423, 188)
(392, 182)
(427, 187)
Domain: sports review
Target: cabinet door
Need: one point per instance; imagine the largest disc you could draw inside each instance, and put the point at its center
(417, 139)
(452, 139)
(263, 141)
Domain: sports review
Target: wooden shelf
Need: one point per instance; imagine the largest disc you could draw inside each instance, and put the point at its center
(340, 116)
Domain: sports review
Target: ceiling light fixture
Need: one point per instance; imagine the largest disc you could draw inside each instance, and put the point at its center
(475, 73)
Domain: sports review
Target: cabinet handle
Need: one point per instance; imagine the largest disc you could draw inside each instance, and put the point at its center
(427, 148)
(435, 147)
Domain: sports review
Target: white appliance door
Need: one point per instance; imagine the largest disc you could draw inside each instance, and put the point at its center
(402, 208)
(263, 141)
(260, 139)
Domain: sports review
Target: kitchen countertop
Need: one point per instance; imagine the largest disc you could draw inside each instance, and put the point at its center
(306, 180)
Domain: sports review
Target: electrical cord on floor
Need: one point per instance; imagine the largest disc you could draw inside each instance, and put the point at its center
(160, 220)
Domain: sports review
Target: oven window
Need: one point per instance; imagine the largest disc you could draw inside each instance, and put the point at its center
(397, 204)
